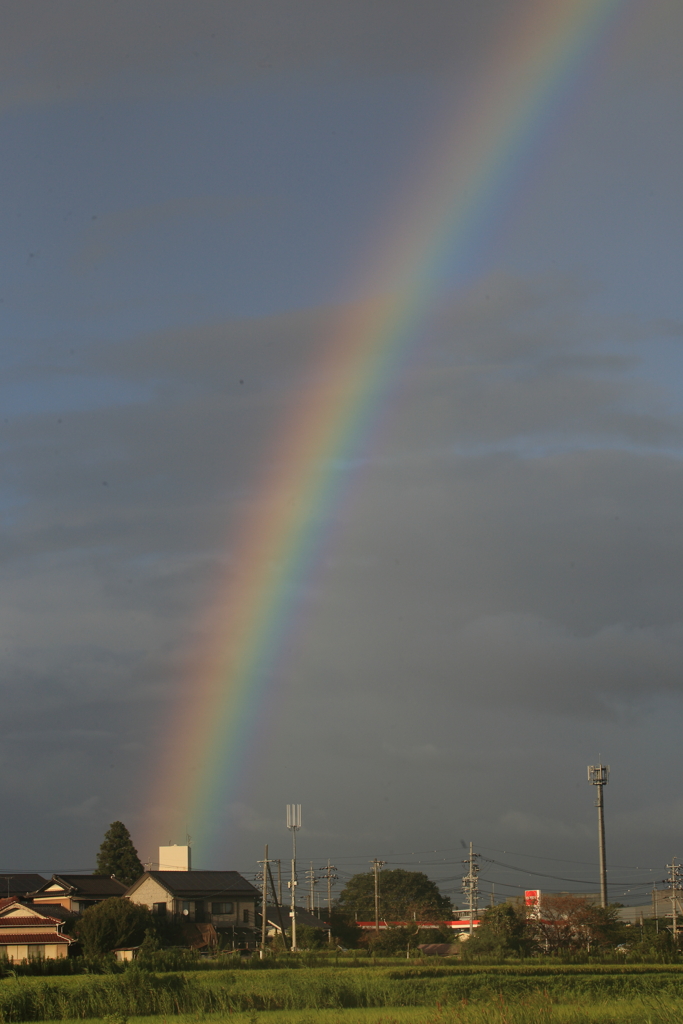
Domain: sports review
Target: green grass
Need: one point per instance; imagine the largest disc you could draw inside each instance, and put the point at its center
(438, 995)
(531, 1011)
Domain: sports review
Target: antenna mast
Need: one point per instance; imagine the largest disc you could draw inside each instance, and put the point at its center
(598, 775)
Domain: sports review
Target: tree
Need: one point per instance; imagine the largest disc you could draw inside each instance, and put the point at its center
(112, 923)
(404, 896)
(118, 856)
(344, 928)
(504, 931)
(568, 923)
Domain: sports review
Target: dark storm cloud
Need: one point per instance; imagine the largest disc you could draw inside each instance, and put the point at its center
(54, 53)
(542, 578)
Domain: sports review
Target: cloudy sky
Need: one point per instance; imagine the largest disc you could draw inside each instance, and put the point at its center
(191, 195)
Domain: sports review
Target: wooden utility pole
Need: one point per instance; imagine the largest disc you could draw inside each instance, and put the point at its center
(377, 866)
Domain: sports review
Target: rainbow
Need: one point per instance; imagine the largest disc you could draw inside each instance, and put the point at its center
(531, 66)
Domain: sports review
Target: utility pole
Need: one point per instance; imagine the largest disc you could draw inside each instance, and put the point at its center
(654, 908)
(675, 886)
(470, 886)
(293, 824)
(328, 873)
(264, 903)
(279, 882)
(598, 775)
(278, 906)
(312, 882)
(377, 866)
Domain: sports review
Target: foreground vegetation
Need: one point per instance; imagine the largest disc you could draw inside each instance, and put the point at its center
(540, 1011)
(467, 994)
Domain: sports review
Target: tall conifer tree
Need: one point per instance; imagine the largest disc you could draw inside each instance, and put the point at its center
(118, 856)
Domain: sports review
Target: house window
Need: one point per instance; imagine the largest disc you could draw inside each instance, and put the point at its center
(245, 916)
(159, 908)
(186, 907)
(36, 952)
(222, 908)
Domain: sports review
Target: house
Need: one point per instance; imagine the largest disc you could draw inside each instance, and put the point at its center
(125, 953)
(223, 899)
(78, 892)
(28, 933)
(304, 919)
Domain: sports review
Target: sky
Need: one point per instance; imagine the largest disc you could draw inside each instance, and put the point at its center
(193, 194)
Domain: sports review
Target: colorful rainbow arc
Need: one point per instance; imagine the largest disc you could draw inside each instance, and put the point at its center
(533, 63)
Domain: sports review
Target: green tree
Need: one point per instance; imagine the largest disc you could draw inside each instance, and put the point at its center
(404, 896)
(112, 923)
(118, 856)
(344, 929)
(569, 923)
(504, 931)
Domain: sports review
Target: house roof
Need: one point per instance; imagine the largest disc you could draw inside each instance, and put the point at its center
(55, 910)
(24, 922)
(200, 884)
(93, 886)
(42, 938)
(20, 883)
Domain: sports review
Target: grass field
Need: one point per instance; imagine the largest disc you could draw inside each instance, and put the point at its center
(663, 1011)
(405, 995)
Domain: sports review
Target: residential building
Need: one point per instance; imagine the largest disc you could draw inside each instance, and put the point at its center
(223, 899)
(28, 932)
(78, 892)
(304, 919)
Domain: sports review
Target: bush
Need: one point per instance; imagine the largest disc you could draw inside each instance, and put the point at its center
(114, 922)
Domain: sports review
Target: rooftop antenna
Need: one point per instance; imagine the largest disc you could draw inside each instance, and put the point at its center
(598, 775)
(293, 824)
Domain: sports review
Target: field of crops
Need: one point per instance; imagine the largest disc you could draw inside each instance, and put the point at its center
(472, 995)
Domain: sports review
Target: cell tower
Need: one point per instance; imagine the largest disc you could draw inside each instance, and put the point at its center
(598, 775)
(293, 824)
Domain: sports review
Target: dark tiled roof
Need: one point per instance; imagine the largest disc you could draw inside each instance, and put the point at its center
(20, 883)
(55, 910)
(9, 939)
(204, 884)
(93, 886)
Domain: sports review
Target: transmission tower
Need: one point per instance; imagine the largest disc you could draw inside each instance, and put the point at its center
(470, 886)
(598, 775)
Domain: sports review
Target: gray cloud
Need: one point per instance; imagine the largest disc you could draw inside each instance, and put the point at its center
(541, 584)
(83, 49)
